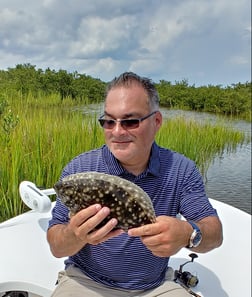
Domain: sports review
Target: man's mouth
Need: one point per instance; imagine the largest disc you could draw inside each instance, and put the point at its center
(121, 141)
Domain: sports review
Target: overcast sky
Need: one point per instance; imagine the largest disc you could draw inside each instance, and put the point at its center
(203, 41)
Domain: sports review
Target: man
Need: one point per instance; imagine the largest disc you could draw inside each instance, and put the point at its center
(110, 262)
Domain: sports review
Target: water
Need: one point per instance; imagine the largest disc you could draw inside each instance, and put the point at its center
(228, 178)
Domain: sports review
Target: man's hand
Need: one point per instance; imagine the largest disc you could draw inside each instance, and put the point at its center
(66, 240)
(168, 235)
(83, 225)
(165, 237)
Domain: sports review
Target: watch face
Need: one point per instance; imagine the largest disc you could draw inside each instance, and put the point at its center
(196, 236)
(197, 239)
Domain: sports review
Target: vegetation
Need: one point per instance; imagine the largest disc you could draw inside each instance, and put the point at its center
(234, 100)
(38, 137)
(42, 126)
(26, 80)
(47, 135)
(199, 142)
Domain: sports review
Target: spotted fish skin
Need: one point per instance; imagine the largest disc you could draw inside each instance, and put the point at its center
(128, 203)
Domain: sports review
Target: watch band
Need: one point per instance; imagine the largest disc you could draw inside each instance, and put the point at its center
(195, 237)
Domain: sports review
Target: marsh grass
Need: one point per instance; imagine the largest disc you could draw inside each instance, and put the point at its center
(199, 142)
(48, 135)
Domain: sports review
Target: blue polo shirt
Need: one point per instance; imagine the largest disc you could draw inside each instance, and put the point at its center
(174, 185)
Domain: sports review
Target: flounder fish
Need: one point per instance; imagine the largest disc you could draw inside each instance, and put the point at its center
(128, 203)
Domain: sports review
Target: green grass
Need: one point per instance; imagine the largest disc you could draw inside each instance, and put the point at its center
(199, 142)
(43, 134)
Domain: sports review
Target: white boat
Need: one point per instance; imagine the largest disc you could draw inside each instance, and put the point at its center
(28, 269)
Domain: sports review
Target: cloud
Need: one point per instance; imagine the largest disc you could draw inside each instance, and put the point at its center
(162, 39)
(100, 38)
(239, 60)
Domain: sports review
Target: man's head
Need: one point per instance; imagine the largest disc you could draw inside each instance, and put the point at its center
(130, 96)
(126, 79)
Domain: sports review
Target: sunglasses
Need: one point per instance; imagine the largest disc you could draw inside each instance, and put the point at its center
(125, 123)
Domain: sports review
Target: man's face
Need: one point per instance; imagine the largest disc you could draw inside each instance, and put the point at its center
(130, 146)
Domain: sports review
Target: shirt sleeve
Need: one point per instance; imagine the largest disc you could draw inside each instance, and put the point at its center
(60, 213)
(194, 203)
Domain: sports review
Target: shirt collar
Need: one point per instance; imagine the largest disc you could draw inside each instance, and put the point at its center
(115, 168)
(154, 162)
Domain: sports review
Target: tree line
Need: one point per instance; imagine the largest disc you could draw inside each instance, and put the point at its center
(234, 100)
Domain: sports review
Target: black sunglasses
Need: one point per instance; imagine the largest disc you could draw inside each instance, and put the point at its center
(125, 123)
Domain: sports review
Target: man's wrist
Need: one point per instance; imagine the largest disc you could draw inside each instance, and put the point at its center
(195, 237)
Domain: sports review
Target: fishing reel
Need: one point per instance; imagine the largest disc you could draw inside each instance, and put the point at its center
(185, 278)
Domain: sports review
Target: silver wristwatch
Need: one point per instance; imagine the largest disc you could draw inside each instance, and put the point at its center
(196, 236)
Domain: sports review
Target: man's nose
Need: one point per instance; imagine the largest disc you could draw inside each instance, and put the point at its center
(118, 127)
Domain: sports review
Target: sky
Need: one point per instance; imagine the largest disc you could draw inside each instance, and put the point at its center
(206, 42)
